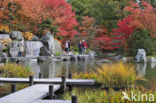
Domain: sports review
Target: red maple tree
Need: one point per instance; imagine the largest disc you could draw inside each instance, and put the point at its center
(34, 12)
(143, 15)
(62, 15)
(119, 36)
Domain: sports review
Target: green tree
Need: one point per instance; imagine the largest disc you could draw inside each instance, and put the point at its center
(140, 40)
(81, 8)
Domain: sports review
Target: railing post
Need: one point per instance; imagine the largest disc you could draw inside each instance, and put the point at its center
(74, 99)
(13, 88)
(31, 80)
(51, 92)
(70, 76)
(40, 75)
(63, 85)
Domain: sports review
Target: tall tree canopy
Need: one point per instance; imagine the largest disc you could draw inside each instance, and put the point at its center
(33, 13)
(143, 14)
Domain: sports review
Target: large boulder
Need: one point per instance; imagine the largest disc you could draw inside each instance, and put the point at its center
(52, 45)
(104, 61)
(92, 54)
(14, 44)
(49, 41)
(44, 51)
(16, 35)
(152, 60)
(3, 55)
(141, 56)
(14, 52)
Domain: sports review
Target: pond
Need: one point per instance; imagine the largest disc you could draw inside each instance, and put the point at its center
(52, 69)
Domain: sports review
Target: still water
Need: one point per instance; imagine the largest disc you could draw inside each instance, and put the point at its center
(52, 69)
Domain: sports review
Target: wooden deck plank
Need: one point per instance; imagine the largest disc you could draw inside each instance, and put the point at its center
(52, 101)
(29, 94)
(49, 81)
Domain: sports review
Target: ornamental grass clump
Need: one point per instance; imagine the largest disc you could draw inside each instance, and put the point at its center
(117, 74)
(14, 70)
(113, 75)
(103, 96)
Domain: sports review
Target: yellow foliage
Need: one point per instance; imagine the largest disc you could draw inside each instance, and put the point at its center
(58, 41)
(116, 74)
(28, 35)
(5, 41)
(15, 70)
(4, 28)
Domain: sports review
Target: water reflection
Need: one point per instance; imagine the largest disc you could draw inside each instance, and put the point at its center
(141, 68)
(53, 69)
(153, 65)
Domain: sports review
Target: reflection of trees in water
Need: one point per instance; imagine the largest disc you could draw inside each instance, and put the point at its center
(149, 73)
(153, 65)
(35, 68)
(58, 69)
(141, 68)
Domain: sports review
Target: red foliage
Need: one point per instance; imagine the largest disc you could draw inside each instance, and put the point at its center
(60, 12)
(103, 40)
(143, 15)
(86, 26)
(62, 15)
(118, 37)
(122, 33)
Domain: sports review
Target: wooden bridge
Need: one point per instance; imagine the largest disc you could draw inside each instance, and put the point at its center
(41, 89)
(82, 82)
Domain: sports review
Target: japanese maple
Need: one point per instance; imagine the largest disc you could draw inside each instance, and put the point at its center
(119, 36)
(60, 13)
(143, 15)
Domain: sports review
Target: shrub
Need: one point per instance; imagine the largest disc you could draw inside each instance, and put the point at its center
(28, 35)
(74, 48)
(4, 29)
(140, 39)
(14, 70)
(5, 49)
(5, 41)
(113, 75)
(101, 96)
(57, 54)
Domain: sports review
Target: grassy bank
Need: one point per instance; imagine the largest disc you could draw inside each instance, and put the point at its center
(102, 96)
(13, 70)
(113, 75)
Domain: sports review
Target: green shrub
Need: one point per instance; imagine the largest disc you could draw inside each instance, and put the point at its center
(57, 54)
(140, 40)
(5, 49)
(74, 48)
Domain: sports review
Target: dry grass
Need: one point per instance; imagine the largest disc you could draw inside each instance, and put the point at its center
(14, 70)
(113, 75)
(101, 96)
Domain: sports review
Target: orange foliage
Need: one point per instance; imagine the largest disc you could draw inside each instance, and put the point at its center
(144, 15)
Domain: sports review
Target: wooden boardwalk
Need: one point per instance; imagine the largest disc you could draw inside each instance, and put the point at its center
(52, 101)
(32, 94)
(80, 82)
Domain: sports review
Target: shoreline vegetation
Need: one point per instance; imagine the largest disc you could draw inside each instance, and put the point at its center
(113, 75)
(13, 70)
